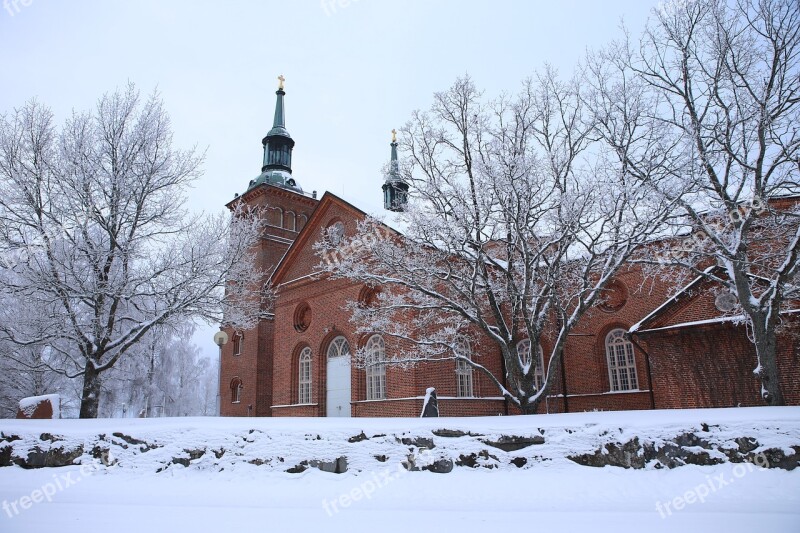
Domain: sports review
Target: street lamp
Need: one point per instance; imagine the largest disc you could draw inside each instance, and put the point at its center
(220, 339)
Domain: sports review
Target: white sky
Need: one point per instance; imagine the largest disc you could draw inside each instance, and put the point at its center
(354, 70)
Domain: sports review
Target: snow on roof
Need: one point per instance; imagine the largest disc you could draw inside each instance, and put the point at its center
(634, 328)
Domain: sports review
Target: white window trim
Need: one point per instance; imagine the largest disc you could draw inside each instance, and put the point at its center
(465, 383)
(304, 379)
(376, 369)
(629, 367)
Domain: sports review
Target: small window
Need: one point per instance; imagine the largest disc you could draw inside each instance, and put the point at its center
(236, 390)
(463, 369)
(376, 368)
(524, 352)
(621, 362)
(304, 366)
(237, 344)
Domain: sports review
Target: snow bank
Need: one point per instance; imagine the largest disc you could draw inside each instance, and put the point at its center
(643, 439)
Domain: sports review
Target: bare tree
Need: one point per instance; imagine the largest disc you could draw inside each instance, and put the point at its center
(718, 85)
(98, 247)
(517, 221)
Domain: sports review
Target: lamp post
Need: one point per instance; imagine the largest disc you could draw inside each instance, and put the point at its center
(220, 339)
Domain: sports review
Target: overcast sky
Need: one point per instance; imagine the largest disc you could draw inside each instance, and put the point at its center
(354, 70)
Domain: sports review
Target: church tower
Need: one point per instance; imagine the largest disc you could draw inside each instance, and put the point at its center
(395, 190)
(246, 371)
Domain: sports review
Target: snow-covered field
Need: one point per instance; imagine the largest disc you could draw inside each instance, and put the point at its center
(228, 493)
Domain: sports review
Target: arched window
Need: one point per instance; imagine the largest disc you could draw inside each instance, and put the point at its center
(301, 221)
(304, 366)
(237, 343)
(236, 390)
(524, 352)
(621, 361)
(463, 369)
(376, 368)
(339, 347)
(289, 220)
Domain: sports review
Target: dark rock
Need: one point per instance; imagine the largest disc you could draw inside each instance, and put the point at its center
(358, 438)
(5, 456)
(50, 438)
(195, 454)
(381, 458)
(513, 443)
(302, 467)
(519, 462)
(440, 466)
(219, 453)
(419, 442)
(747, 444)
(626, 456)
(470, 460)
(128, 439)
(451, 433)
(181, 461)
(337, 466)
(776, 458)
(9, 438)
(38, 458)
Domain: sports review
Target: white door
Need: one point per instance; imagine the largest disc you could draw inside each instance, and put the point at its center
(338, 397)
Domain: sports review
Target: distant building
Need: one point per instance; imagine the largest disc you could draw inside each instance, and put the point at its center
(297, 361)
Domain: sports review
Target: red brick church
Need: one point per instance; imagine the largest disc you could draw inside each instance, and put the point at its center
(638, 350)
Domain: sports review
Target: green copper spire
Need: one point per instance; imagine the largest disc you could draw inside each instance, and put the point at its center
(279, 122)
(278, 144)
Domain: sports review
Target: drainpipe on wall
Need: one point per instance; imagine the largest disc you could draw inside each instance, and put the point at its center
(647, 366)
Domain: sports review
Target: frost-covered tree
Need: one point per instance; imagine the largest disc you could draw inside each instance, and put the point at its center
(97, 246)
(25, 375)
(517, 220)
(719, 82)
(163, 375)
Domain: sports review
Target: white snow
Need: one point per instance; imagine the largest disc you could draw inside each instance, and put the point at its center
(551, 494)
(28, 405)
(671, 299)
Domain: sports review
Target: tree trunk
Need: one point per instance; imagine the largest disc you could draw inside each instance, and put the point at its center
(766, 343)
(90, 398)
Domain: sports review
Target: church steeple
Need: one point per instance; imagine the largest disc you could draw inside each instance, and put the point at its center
(395, 190)
(276, 166)
(278, 144)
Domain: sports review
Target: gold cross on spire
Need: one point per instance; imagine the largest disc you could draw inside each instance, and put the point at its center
(281, 79)
(394, 135)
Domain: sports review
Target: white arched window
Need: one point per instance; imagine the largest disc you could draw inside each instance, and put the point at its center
(376, 368)
(524, 352)
(304, 366)
(621, 361)
(463, 369)
(339, 348)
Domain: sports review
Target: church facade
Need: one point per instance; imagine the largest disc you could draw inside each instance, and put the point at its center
(639, 350)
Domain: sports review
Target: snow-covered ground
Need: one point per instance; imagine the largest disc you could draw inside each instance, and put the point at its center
(558, 494)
